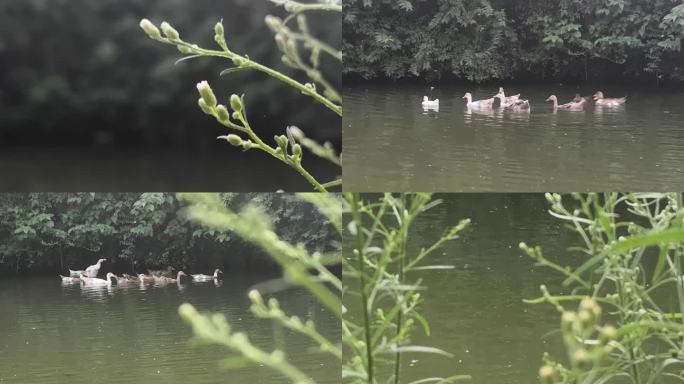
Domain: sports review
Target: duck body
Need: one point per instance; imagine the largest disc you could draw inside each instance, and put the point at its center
(485, 103)
(70, 279)
(608, 102)
(571, 106)
(427, 103)
(167, 280)
(168, 272)
(94, 281)
(73, 273)
(145, 279)
(94, 269)
(508, 99)
(517, 105)
(201, 277)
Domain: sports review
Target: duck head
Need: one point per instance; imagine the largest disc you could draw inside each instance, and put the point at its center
(551, 98)
(598, 95)
(425, 98)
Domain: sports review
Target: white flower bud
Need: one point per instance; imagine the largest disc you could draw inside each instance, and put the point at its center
(149, 28)
(207, 94)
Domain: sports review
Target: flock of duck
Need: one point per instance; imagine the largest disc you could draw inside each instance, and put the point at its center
(516, 104)
(88, 277)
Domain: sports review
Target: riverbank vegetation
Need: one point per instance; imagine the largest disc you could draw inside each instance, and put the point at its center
(631, 250)
(486, 40)
(382, 293)
(48, 232)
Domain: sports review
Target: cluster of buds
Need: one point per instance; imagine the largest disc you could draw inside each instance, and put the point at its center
(153, 32)
(588, 343)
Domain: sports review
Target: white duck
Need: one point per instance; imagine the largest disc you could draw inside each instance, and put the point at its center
(94, 269)
(201, 277)
(69, 279)
(98, 282)
(486, 103)
(427, 103)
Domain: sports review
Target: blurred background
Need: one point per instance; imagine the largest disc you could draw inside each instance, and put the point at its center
(89, 102)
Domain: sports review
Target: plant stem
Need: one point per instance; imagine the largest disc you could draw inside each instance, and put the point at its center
(246, 62)
(356, 215)
(402, 256)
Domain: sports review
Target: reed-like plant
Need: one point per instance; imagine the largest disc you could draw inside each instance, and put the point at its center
(381, 291)
(301, 51)
(632, 255)
(300, 267)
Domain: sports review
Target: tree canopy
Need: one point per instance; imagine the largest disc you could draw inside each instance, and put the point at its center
(480, 40)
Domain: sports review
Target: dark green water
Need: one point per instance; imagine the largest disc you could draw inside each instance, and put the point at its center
(636, 147)
(50, 333)
(476, 310)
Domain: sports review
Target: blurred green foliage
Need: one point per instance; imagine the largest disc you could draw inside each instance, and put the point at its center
(79, 72)
(49, 231)
(483, 40)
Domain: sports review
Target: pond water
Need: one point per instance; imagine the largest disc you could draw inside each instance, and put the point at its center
(639, 146)
(54, 333)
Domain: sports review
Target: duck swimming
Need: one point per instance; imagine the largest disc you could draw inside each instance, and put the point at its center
(608, 102)
(70, 279)
(201, 277)
(485, 103)
(168, 272)
(571, 106)
(166, 280)
(518, 105)
(507, 99)
(98, 282)
(427, 103)
(145, 279)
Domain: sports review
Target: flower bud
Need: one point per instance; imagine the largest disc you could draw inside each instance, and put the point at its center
(236, 115)
(608, 333)
(280, 41)
(234, 140)
(204, 107)
(169, 31)
(222, 113)
(273, 22)
(546, 374)
(218, 29)
(207, 94)
(183, 49)
(149, 28)
(568, 320)
(236, 103)
(297, 150)
(581, 358)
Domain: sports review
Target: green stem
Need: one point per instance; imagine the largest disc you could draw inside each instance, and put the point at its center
(356, 214)
(248, 63)
(399, 320)
(334, 183)
(297, 7)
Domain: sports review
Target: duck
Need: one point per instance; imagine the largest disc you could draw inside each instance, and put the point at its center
(94, 269)
(73, 273)
(427, 103)
(486, 103)
(608, 102)
(166, 280)
(132, 279)
(70, 279)
(508, 99)
(578, 98)
(168, 272)
(571, 106)
(96, 281)
(201, 277)
(518, 105)
(145, 279)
